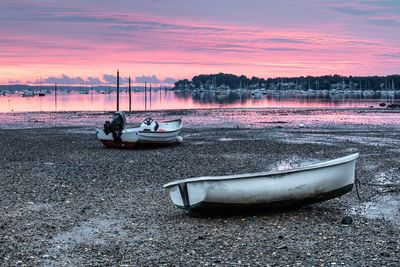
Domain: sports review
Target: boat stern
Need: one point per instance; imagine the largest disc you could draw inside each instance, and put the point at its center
(186, 195)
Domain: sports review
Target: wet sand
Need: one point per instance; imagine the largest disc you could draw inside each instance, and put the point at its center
(67, 200)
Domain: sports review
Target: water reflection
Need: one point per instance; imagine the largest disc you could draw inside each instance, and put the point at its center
(92, 100)
(290, 98)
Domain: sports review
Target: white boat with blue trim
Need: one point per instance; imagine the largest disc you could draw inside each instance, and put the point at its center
(115, 134)
(277, 189)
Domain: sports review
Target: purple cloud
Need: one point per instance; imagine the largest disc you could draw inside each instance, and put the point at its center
(187, 37)
(112, 79)
(14, 81)
(148, 79)
(63, 79)
(169, 80)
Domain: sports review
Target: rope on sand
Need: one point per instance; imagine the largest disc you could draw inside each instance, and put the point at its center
(393, 188)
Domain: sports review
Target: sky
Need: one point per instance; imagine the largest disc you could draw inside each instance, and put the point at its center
(160, 41)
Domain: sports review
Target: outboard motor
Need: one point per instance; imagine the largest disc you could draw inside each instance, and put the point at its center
(116, 126)
(149, 125)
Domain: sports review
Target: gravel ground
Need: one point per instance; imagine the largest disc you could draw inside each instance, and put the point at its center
(67, 200)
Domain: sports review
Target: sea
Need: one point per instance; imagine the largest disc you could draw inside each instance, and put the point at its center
(93, 100)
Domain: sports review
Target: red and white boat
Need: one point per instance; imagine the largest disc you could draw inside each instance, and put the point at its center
(115, 134)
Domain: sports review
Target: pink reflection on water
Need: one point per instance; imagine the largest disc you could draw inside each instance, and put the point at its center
(220, 118)
(161, 100)
(289, 118)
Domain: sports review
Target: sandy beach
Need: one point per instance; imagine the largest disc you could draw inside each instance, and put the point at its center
(68, 201)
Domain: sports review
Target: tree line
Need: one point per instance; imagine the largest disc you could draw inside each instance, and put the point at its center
(327, 82)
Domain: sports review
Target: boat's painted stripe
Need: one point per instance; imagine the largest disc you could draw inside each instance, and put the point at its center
(111, 143)
(184, 194)
(204, 206)
(159, 132)
(324, 164)
(156, 142)
(158, 137)
(177, 120)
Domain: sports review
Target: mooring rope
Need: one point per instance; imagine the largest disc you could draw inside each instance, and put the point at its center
(358, 185)
(392, 189)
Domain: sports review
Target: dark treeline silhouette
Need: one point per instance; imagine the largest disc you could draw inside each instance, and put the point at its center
(327, 82)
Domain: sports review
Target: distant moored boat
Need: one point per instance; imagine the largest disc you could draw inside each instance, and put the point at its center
(28, 94)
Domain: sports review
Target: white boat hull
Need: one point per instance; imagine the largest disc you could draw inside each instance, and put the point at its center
(168, 133)
(300, 186)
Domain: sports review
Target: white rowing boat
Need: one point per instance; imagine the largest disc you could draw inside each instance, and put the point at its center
(294, 187)
(115, 134)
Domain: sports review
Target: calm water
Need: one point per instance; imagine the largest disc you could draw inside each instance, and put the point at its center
(164, 100)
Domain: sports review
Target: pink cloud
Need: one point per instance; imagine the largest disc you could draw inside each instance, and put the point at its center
(90, 43)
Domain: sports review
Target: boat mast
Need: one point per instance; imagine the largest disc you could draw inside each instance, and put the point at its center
(130, 97)
(145, 96)
(117, 90)
(150, 95)
(55, 96)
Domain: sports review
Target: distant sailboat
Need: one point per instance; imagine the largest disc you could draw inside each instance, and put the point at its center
(28, 94)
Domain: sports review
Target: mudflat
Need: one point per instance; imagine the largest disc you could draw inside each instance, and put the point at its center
(67, 200)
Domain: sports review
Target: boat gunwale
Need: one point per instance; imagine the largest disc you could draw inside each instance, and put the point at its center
(324, 164)
(180, 120)
(136, 129)
(171, 131)
(163, 132)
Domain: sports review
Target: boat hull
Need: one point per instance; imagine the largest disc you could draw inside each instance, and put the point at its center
(268, 205)
(132, 137)
(133, 144)
(267, 190)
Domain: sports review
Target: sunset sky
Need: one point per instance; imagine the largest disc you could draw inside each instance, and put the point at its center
(86, 41)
